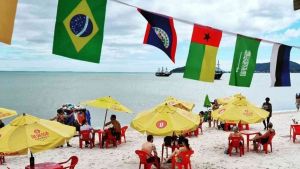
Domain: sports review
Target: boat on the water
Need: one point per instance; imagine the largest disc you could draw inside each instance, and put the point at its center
(218, 72)
(162, 72)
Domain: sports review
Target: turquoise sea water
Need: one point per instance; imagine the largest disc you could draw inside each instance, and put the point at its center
(41, 93)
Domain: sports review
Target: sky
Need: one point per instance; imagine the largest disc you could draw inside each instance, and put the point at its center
(123, 50)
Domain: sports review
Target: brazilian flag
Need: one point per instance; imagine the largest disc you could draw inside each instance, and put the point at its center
(79, 29)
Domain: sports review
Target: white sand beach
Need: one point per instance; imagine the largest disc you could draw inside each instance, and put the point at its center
(209, 151)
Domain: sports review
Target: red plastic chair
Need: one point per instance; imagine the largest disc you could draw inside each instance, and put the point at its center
(188, 134)
(243, 126)
(191, 133)
(227, 125)
(265, 146)
(196, 132)
(2, 159)
(123, 131)
(182, 160)
(237, 143)
(99, 137)
(74, 161)
(110, 139)
(143, 159)
(86, 135)
(296, 131)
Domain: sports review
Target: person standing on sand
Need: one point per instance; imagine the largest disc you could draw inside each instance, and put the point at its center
(215, 107)
(297, 101)
(61, 118)
(268, 107)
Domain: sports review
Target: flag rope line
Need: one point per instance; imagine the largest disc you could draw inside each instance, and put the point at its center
(192, 23)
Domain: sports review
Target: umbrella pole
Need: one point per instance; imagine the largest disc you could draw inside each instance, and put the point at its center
(31, 160)
(105, 119)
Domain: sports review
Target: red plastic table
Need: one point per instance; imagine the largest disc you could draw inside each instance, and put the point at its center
(162, 150)
(291, 127)
(46, 165)
(247, 133)
(99, 132)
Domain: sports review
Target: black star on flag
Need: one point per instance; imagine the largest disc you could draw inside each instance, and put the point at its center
(206, 37)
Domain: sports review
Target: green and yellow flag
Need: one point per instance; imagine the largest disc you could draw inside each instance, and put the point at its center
(201, 62)
(79, 29)
(7, 18)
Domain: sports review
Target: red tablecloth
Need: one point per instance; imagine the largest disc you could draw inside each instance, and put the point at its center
(46, 165)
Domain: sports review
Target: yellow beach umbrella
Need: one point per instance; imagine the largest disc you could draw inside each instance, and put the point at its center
(6, 113)
(28, 133)
(172, 101)
(165, 120)
(240, 110)
(226, 100)
(107, 103)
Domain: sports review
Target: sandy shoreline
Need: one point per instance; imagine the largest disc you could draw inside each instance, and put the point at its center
(209, 151)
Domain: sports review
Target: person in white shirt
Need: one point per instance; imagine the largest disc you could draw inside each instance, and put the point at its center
(85, 127)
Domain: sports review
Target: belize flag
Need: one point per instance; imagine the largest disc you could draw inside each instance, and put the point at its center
(160, 33)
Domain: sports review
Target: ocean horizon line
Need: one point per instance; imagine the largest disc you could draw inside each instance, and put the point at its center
(54, 71)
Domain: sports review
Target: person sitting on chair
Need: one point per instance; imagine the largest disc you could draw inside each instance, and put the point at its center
(149, 147)
(236, 132)
(116, 129)
(84, 127)
(263, 139)
(184, 147)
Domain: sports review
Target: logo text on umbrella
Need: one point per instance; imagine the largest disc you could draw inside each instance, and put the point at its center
(38, 135)
(248, 113)
(161, 124)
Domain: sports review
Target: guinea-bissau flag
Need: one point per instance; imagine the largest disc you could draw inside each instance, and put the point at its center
(280, 65)
(7, 19)
(201, 62)
(160, 32)
(79, 29)
(244, 61)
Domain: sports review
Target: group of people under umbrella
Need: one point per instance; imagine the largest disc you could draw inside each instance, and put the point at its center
(172, 117)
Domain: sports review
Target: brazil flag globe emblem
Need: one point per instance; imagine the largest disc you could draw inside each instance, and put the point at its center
(79, 29)
(81, 25)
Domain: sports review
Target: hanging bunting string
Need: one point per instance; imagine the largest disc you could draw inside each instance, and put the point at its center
(192, 23)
